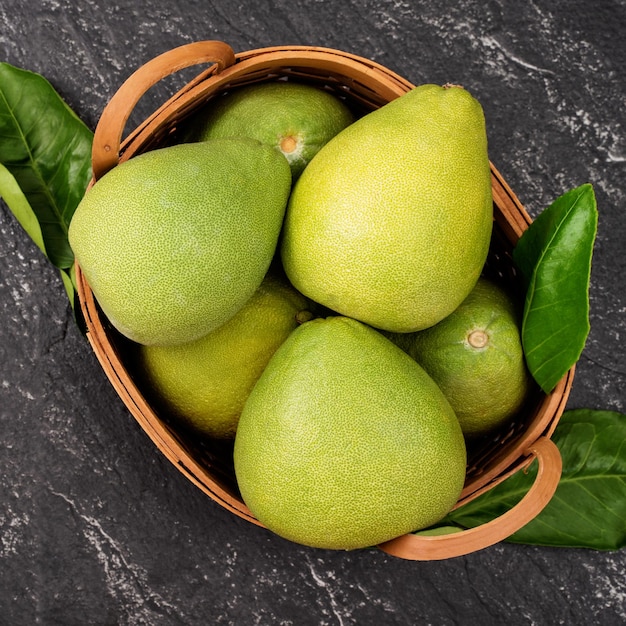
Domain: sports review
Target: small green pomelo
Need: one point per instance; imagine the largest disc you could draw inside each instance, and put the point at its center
(174, 241)
(205, 383)
(475, 355)
(296, 118)
(390, 222)
(345, 442)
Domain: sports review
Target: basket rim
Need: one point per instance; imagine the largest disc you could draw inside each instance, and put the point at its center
(511, 217)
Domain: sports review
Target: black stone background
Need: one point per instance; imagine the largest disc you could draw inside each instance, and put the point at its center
(97, 527)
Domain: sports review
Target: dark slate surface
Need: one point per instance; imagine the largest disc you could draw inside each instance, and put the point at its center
(96, 527)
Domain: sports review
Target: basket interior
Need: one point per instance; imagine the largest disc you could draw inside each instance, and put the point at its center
(209, 463)
(488, 456)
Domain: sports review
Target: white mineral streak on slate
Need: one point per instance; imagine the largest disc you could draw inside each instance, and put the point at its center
(13, 528)
(329, 588)
(126, 582)
(609, 585)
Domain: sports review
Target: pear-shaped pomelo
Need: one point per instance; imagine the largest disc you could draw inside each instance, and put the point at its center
(391, 221)
(204, 383)
(295, 118)
(174, 241)
(475, 355)
(346, 442)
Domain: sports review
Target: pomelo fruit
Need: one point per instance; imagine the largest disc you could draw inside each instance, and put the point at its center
(345, 442)
(390, 222)
(296, 118)
(475, 355)
(204, 383)
(174, 241)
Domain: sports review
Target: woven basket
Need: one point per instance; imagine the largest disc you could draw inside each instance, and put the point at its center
(364, 85)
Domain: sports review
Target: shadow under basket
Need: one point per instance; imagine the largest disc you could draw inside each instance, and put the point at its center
(364, 86)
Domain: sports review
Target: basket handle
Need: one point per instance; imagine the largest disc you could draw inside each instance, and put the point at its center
(432, 548)
(108, 134)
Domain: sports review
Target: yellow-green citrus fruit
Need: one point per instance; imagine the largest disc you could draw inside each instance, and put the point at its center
(475, 355)
(298, 119)
(204, 383)
(390, 222)
(174, 241)
(345, 442)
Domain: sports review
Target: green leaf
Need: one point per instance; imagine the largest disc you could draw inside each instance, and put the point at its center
(554, 256)
(23, 212)
(68, 284)
(47, 149)
(18, 204)
(435, 531)
(588, 509)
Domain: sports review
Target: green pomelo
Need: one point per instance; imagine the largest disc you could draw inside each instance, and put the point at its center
(391, 221)
(295, 118)
(475, 355)
(345, 442)
(204, 383)
(174, 241)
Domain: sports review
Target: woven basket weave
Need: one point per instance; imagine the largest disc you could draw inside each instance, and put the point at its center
(364, 85)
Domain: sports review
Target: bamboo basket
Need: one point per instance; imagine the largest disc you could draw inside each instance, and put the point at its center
(364, 85)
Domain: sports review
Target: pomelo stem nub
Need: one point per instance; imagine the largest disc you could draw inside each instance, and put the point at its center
(478, 339)
(288, 144)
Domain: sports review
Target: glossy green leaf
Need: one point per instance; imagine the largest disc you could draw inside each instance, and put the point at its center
(11, 193)
(554, 256)
(47, 149)
(588, 509)
(435, 531)
(68, 284)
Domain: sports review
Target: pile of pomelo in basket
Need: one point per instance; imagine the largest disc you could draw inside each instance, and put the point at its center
(310, 285)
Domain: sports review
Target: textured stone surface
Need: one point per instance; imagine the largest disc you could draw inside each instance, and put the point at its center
(96, 527)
